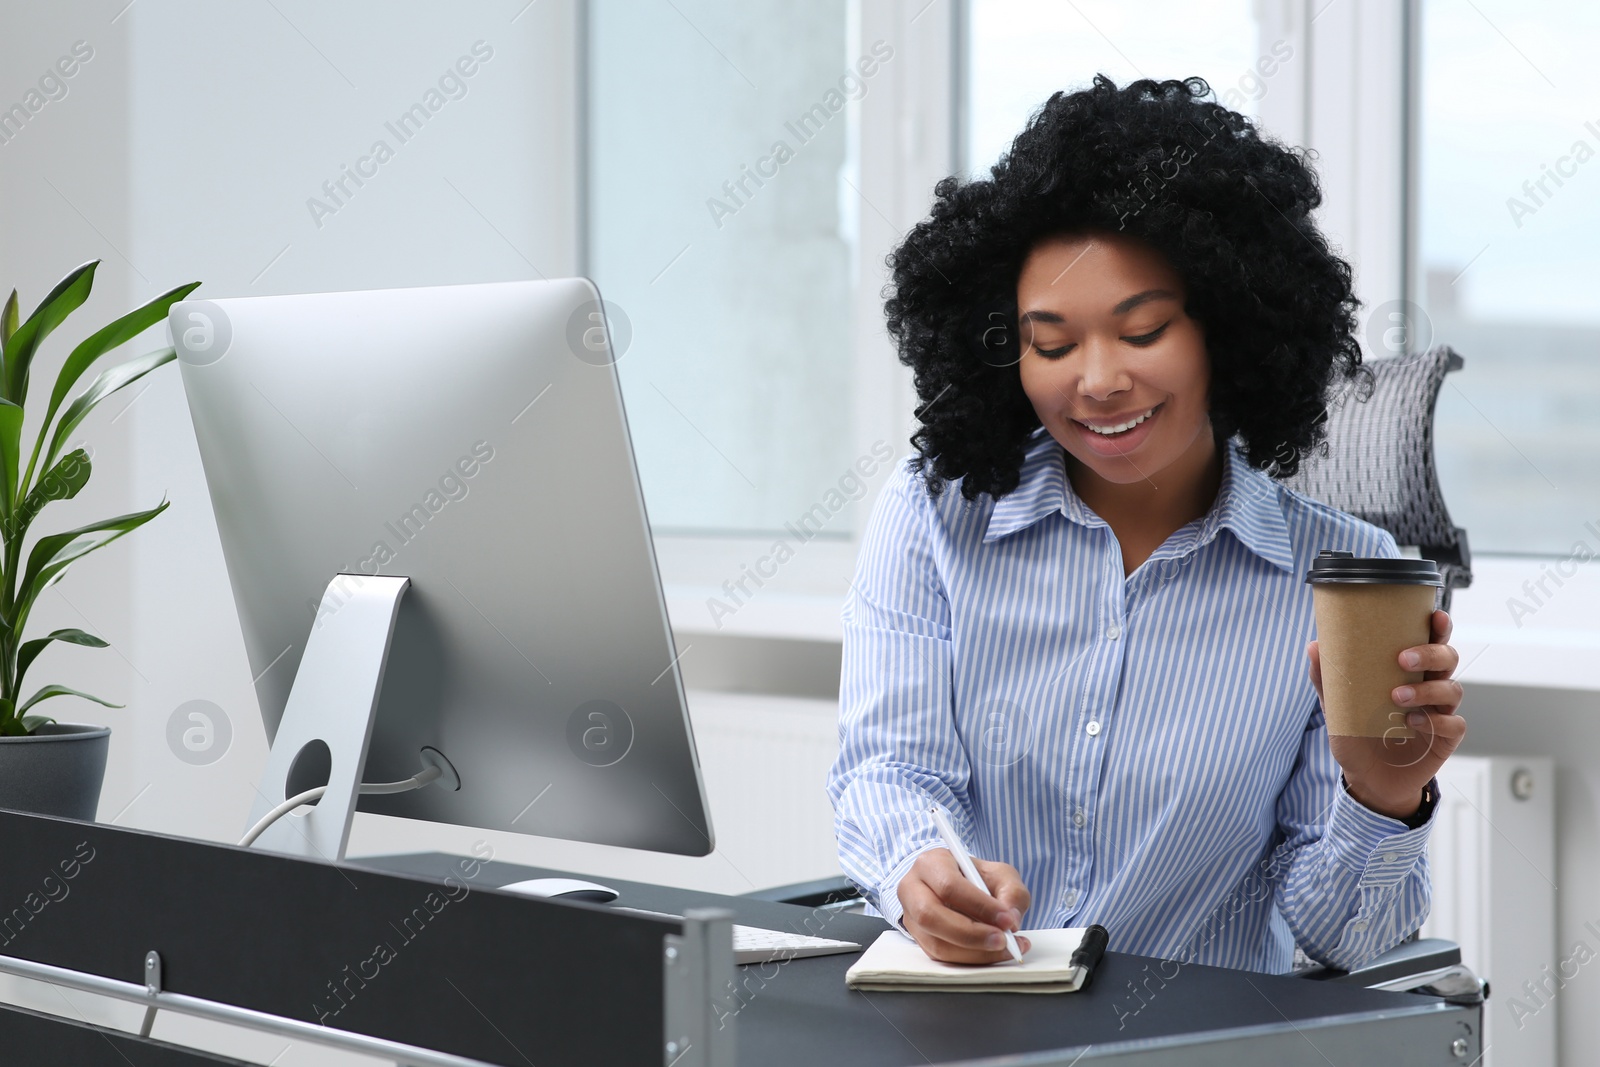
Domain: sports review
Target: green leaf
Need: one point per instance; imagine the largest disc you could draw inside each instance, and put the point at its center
(59, 691)
(110, 380)
(51, 555)
(99, 343)
(68, 295)
(30, 649)
(10, 438)
(61, 482)
(30, 723)
(8, 318)
(104, 340)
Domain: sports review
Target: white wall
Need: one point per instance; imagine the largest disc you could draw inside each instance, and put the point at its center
(64, 187)
(239, 114)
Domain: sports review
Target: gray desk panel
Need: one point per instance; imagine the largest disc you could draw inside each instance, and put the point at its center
(1137, 1011)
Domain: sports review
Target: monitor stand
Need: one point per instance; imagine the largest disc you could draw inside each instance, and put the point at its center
(328, 720)
(329, 714)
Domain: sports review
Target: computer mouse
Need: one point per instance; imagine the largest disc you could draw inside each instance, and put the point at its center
(565, 889)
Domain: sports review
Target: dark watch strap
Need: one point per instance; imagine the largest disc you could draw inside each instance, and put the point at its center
(1430, 800)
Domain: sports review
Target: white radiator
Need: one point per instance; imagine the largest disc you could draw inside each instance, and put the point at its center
(1493, 857)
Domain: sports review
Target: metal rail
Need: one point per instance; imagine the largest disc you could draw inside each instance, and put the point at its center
(153, 998)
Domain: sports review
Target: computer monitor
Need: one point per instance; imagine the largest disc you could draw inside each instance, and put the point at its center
(473, 439)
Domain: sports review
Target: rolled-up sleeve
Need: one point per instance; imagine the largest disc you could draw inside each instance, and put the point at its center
(899, 748)
(1355, 882)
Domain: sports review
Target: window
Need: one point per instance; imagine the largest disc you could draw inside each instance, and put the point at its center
(1508, 220)
(722, 226)
(1019, 52)
(723, 218)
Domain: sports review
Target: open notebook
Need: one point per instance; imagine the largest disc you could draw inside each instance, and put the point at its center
(895, 963)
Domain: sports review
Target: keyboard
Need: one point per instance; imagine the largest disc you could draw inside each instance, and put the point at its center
(755, 944)
(752, 944)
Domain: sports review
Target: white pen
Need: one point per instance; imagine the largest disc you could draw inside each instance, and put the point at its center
(964, 861)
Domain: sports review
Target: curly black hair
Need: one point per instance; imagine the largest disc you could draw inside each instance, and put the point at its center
(1230, 210)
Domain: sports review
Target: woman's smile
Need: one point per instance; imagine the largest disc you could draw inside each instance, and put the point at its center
(1118, 437)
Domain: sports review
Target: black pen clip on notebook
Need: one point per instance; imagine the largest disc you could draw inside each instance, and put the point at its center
(1087, 955)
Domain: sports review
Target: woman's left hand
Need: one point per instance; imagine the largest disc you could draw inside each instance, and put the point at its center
(1388, 774)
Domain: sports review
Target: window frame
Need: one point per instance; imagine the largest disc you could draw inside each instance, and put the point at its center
(1337, 100)
(906, 144)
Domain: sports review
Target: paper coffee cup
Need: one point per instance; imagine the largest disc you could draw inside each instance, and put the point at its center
(1368, 610)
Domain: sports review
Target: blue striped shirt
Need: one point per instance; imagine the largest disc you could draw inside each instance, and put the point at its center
(1148, 751)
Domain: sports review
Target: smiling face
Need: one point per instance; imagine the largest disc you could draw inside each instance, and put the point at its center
(1115, 369)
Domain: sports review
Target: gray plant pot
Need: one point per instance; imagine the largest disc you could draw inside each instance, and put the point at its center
(57, 770)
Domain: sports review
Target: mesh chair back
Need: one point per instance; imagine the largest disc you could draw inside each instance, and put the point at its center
(1379, 462)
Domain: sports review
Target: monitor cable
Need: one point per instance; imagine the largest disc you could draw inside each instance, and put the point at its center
(416, 781)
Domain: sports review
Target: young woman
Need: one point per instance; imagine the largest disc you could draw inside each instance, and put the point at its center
(1079, 618)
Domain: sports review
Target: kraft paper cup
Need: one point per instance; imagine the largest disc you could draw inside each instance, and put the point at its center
(1368, 610)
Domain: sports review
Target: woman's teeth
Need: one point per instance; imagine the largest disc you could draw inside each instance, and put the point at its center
(1107, 431)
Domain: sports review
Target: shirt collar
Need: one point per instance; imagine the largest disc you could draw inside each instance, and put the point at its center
(1247, 504)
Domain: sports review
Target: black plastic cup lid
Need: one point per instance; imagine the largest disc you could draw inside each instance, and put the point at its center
(1346, 568)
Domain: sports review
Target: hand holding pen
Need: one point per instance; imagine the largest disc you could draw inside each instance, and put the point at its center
(950, 916)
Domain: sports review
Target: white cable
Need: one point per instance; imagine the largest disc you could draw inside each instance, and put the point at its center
(279, 812)
(417, 781)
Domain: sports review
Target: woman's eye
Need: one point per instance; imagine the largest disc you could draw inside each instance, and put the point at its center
(1053, 353)
(1148, 338)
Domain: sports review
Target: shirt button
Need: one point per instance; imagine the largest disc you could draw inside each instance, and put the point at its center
(1359, 926)
(1079, 818)
(1093, 729)
(1069, 898)
(1389, 857)
(1113, 631)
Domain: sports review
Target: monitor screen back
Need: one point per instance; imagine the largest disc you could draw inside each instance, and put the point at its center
(471, 438)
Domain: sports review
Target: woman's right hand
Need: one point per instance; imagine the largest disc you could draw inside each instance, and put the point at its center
(952, 919)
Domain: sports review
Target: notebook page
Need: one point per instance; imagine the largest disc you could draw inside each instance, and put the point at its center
(894, 961)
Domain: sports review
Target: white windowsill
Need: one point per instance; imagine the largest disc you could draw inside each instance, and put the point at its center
(780, 615)
(799, 600)
(1554, 647)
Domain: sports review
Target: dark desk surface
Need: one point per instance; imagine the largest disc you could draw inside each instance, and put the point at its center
(801, 1011)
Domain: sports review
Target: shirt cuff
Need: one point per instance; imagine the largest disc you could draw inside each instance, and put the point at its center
(888, 903)
(1365, 842)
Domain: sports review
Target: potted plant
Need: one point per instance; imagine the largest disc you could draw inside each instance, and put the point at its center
(50, 767)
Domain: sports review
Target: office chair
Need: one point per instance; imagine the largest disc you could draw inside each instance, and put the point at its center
(1379, 462)
(1379, 466)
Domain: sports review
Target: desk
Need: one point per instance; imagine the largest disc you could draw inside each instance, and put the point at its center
(1138, 1011)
